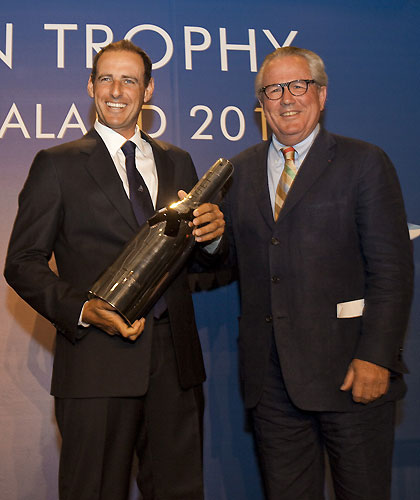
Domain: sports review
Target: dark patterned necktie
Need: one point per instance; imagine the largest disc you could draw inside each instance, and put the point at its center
(139, 194)
(140, 201)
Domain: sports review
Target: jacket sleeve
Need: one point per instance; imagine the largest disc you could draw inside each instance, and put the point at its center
(387, 254)
(36, 228)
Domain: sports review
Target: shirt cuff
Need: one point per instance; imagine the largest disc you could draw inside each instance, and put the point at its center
(212, 247)
(82, 323)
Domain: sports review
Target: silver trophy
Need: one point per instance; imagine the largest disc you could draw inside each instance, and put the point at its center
(150, 261)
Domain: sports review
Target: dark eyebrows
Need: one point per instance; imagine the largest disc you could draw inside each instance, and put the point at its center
(98, 76)
(123, 77)
(130, 77)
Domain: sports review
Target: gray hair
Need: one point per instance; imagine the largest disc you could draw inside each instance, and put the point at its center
(316, 65)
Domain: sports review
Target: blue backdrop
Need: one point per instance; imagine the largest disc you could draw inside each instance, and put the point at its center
(205, 58)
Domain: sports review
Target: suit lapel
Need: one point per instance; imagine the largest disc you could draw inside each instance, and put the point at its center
(317, 160)
(102, 169)
(259, 182)
(165, 173)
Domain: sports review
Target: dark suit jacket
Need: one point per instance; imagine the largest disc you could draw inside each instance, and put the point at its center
(341, 236)
(73, 205)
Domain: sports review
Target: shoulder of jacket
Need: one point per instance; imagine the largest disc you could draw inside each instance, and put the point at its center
(85, 143)
(356, 144)
(249, 153)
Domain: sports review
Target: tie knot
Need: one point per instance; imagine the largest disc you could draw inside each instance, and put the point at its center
(128, 148)
(288, 153)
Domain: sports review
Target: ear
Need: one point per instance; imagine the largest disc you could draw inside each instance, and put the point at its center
(322, 94)
(149, 90)
(90, 88)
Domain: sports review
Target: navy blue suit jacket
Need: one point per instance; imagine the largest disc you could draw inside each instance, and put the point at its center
(341, 236)
(73, 205)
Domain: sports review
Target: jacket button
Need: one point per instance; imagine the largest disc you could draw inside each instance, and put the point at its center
(269, 319)
(275, 279)
(275, 241)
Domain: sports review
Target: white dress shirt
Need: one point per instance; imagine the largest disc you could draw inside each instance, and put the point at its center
(145, 161)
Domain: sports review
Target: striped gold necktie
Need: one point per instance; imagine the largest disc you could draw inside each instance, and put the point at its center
(286, 179)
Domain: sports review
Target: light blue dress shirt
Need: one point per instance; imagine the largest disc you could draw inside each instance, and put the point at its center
(275, 160)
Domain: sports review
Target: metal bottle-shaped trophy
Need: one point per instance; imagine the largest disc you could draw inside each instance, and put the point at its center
(150, 261)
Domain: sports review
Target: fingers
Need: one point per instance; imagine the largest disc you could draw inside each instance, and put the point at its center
(133, 332)
(348, 380)
(99, 313)
(209, 222)
(120, 327)
(370, 381)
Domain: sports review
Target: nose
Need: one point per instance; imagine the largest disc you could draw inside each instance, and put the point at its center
(116, 89)
(287, 97)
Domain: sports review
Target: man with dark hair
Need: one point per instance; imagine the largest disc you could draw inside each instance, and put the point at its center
(119, 389)
(318, 229)
(129, 47)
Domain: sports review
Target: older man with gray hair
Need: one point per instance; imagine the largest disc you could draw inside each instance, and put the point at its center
(318, 231)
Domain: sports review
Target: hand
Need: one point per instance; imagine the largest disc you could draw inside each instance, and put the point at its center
(99, 313)
(210, 219)
(367, 381)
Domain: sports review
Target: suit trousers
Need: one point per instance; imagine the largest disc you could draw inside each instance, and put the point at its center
(164, 428)
(291, 443)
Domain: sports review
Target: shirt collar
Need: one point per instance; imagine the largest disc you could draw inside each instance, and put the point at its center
(302, 147)
(113, 140)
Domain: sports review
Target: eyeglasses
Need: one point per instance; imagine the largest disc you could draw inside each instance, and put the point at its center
(275, 91)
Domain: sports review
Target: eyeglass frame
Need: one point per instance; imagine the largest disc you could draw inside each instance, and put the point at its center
(286, 84)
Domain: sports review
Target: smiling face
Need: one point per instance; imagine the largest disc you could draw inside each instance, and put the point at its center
(119, 91)
(292, 118)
